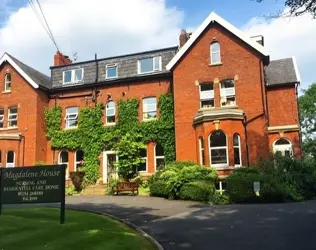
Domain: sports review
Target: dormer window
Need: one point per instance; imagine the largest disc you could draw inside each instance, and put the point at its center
(215, 53)
(72, 76)
(111, 71)
(7, 82)
(149, 65)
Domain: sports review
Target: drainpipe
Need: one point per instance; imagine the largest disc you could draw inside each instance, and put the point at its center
(299, 120)
(246, 139)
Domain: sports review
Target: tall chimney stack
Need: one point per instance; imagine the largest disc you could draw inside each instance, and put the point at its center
(61, 59)
(183, 38)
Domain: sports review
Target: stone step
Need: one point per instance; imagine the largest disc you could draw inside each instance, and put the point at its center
(96, 190)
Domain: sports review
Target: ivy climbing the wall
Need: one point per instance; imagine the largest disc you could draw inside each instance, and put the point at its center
(93, 137)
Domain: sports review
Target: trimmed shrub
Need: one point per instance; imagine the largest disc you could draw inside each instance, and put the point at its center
(196, 191)
(159, 189)
(219, 198)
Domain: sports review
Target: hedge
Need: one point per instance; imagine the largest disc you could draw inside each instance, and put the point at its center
(196, 191)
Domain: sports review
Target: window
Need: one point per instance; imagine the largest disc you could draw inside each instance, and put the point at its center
(63, 159)
(237, 151)
(142, 167)
(207, 95)
(78, 159)
(73, 76)
(149, 108)
(218, 149)
(71, 117)
(228, 93)
(7, 82)
(1, 117)
(149, 65)
(215, 53)
(283, 146)
(111, 71)
(13, 117)
(10, 159)
(110, 112)
(159, 157)
(201, 146)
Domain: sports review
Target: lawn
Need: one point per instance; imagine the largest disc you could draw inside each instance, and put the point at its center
(39, 228)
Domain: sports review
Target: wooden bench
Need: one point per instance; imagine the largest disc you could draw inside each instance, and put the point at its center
(126, 186)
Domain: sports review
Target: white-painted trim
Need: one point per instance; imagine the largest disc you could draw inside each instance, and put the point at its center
(106, 113)
(222, 165)
(149, 72)
(7, 58)
(73, 76)
(298, 76)
(283, 148)
(213, 17)
(239, 148)
(60, 162)
(106, 71)
(6, 160)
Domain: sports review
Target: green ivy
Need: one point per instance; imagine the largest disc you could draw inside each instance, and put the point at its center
(93, 138)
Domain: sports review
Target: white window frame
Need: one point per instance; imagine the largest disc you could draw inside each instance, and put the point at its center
(215, 52)
(75, 160)
(146, 159)
(283, 148)
(231, 91)
(73, 76)
(67, 119)
(10, 119)
(158, 157)
(239, 148)
(149, 111)
(106, 113)
(221, 165)
(7, 82)
(154, 70)
(60, 162)
(2, 118)
(201, 150)
(206, 96)
(106, 71)
(11, 164)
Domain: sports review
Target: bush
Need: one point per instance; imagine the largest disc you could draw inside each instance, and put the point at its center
(196, 191)
(111, 186)
(159, 189)
(176, 174)
(70, 190)
(219, 198)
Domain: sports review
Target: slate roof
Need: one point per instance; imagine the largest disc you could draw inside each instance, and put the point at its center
(281, 71)
(38, 77)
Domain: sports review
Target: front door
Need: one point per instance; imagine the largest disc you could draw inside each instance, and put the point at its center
(109, 169)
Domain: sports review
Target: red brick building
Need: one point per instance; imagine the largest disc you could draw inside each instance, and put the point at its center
(232, 104)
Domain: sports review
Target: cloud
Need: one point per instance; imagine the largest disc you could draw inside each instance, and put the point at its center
(285, 37)
(105, 27)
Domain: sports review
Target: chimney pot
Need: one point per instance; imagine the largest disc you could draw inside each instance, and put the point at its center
(61, 59)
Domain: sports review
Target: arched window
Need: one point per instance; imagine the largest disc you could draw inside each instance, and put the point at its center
(237, 150)
(159, 157)
(7, 82)
(201, 147)
(218, 149)
(283, 147)
(142, 167)
(215, 53)
(10, 159)
(64, 159)
(78, 159)
(110, 112)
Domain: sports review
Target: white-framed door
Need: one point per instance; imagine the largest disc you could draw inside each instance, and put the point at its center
(109, 170)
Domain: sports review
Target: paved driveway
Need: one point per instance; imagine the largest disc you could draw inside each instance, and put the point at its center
(189, 225)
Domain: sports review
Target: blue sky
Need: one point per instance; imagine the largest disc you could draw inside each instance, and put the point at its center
(114, 27)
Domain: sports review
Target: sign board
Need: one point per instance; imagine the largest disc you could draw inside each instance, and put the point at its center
(256, 186)
(38, 184)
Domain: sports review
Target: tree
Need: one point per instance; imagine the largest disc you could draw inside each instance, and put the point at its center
(307, 104)
(298, 7)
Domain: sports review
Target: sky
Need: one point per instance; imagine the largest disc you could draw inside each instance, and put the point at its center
(115, 27)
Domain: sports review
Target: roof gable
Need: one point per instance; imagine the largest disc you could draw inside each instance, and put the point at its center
(213, 17)
(34, 77)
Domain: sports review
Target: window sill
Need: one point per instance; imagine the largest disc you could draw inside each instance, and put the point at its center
(70, 128)
(6, 129)
(215, 64)
(6, 92)
(149, 120)
(111, 78)
(110, 124)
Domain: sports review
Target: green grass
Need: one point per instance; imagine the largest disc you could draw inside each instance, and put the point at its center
(39, 228)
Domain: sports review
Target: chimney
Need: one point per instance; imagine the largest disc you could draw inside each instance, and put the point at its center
(259, 39)
(61, 59)
(184, 37)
